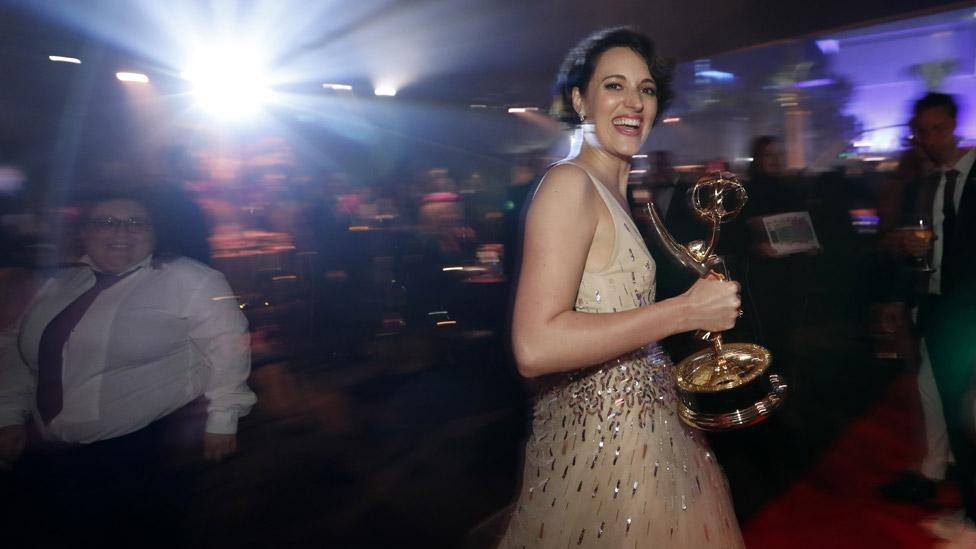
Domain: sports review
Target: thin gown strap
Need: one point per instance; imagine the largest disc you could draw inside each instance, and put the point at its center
(600, 189)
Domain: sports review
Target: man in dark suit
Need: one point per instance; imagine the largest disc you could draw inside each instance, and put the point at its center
(946, 201)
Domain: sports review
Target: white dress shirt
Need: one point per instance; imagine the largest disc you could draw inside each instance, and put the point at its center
(963, 166)
(147, 346)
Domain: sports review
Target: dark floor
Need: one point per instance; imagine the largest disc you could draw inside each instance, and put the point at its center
(402, 445)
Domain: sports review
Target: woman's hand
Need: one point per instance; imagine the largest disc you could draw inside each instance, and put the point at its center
(216, 447)
(713, 304)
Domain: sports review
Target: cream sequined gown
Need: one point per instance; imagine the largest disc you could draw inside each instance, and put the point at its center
(608, 462)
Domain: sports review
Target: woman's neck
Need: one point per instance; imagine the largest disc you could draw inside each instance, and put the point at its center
(611, 170)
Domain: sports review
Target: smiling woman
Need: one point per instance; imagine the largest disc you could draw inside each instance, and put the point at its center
(118, 234)
(608, 464)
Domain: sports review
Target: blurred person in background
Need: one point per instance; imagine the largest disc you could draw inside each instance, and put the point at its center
(899, 290)
(669, 193)
(191, 235)
(665, 183)
(946, 202)
(17, 245)
(106, 377)
(526, 174)
(441, 217)
(768, 192)
(586, 322)
(776, 284)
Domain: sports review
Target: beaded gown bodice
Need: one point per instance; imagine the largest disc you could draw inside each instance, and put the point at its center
(608, 462)
(627, 280)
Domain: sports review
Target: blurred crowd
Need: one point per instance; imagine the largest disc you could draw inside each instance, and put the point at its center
(382, 255)
(335, 274)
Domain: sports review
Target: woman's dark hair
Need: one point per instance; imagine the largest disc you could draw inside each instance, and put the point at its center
(577, 69)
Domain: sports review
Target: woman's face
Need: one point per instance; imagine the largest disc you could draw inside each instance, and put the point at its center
(118, 234)
(620, 101)
(771, 159)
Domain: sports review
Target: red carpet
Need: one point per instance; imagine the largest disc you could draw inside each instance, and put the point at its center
(836, 506)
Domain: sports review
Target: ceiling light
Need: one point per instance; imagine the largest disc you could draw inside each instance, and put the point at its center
(63, 59)
(132, 77)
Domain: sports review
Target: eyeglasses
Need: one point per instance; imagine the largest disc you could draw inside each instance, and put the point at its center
(105, 225)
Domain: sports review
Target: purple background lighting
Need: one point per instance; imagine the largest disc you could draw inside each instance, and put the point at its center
(885, 65)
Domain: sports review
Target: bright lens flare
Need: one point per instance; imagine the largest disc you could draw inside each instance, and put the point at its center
(229, 82)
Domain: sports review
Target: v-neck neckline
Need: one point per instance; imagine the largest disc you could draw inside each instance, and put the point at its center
(604, 188)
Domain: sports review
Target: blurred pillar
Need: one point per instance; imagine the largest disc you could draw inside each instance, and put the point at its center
(736, 139)
(796, 143)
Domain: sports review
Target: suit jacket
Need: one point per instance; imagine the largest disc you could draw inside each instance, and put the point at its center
(958, 269)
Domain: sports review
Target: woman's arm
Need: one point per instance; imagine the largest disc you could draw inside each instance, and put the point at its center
(18, 384)
(548, 335)
(219, 330)
(18, 381)
(17, 390)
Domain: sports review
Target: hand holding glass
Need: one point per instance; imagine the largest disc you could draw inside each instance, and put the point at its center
(917, 240)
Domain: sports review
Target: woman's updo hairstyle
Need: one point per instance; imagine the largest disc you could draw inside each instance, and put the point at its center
(577, 69)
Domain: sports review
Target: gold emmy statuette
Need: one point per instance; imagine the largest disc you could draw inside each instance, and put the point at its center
(727, 386)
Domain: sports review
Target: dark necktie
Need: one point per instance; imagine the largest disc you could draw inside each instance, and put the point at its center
(49, 390)
(948, 228)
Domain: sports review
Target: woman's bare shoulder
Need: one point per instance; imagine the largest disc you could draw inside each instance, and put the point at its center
(565, 184)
